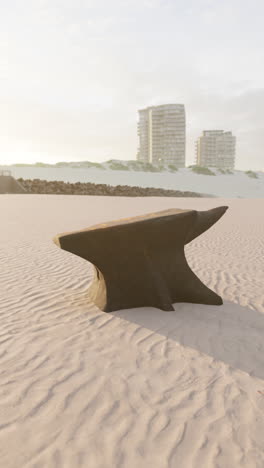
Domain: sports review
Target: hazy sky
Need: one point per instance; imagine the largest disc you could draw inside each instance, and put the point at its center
(74, 73)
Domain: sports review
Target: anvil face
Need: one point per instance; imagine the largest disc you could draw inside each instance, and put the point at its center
(140, 261)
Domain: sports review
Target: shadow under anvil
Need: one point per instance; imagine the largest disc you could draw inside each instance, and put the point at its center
(232, 333)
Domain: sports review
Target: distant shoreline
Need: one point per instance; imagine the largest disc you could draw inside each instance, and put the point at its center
(129, 165)
(198, 180)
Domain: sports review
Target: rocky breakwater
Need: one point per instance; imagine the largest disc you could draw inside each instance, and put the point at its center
(79, 188)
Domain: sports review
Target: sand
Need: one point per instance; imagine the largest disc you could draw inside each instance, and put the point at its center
(136, 388)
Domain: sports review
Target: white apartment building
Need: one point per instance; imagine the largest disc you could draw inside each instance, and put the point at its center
(161, 131)
(216, 148)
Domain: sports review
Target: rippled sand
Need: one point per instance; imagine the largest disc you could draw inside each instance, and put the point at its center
(137, 388)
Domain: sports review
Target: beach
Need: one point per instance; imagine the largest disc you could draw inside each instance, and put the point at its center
(135, 388)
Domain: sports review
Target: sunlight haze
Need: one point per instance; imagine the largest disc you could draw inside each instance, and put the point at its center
(74, 74)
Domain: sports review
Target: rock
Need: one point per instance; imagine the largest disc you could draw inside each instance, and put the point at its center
(78, 188)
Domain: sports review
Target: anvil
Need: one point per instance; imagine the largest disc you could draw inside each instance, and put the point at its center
(140, 261)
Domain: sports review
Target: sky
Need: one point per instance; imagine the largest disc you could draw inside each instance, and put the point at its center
(73, 74)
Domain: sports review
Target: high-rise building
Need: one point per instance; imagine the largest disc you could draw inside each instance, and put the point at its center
(216, 148)
(161, 131)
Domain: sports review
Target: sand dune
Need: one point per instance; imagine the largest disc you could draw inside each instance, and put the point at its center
(136, 388)
(236, 185)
